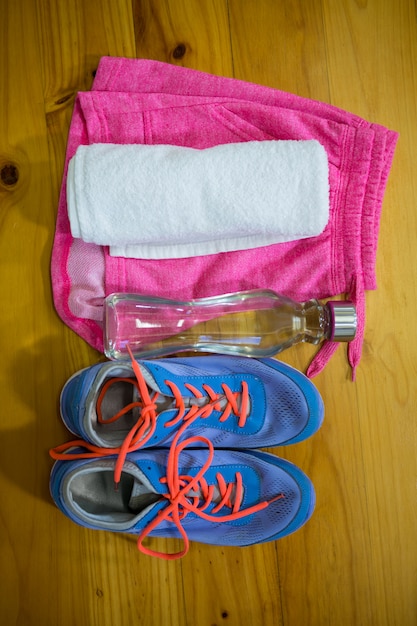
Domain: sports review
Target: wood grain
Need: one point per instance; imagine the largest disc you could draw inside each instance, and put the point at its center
(355, 562)
(193, 34)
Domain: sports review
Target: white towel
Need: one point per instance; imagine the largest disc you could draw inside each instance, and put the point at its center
(164, 201)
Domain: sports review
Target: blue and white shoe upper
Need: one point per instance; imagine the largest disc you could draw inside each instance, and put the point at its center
(220, 497)
(281, 405)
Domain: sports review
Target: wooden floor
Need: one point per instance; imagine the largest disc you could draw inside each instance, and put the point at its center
(355, 562)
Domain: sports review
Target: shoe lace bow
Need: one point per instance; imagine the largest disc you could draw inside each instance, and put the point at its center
(192, 494)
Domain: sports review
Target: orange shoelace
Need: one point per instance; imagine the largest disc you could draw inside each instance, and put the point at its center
(192, 494)
(227, 403)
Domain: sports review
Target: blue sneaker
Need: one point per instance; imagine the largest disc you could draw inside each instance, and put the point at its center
(219, 497)
(236, 402)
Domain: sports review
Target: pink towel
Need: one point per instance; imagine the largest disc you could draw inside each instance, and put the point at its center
(142, 101)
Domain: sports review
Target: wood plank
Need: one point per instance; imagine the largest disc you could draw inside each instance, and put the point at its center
(192, 34)
(28, 338)
(281, 45)
(374, 47)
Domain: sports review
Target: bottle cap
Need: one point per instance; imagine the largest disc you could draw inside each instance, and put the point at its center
(344, 320)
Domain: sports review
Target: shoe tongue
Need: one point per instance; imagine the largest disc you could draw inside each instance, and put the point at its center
(149, 378)
(221, 402)
(216, 495)
(189, 401)
(165, 401)
(142, 496)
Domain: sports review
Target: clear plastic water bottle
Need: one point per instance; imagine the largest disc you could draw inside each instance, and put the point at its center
(257, 323)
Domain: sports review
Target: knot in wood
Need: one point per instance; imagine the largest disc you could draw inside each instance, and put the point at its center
(179, 51)
(9, 174)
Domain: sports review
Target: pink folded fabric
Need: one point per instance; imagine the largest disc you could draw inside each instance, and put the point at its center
(141, 101)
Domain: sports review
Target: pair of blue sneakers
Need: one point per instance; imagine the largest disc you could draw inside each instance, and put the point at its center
(170, 448)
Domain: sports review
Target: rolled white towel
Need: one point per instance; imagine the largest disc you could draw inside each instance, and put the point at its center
(164, 201)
